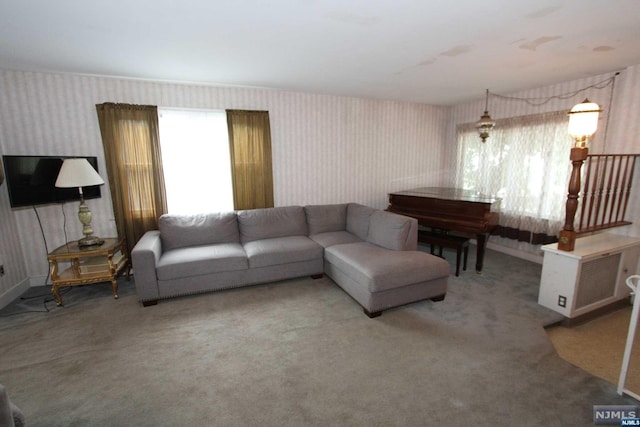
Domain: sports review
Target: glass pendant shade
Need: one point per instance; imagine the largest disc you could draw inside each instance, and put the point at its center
(486, 123)
(583, 121)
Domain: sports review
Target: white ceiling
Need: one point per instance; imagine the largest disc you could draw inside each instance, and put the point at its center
(436, 52)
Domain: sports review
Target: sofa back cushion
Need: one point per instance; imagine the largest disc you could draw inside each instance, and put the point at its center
(326, 218)
(358, 219)
(392, 231)
(284, 221)
(181, 231)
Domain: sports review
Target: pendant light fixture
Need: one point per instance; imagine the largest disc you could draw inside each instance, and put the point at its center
(486, 123)
(583, 121)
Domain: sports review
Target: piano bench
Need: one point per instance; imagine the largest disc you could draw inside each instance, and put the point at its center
(444, 240)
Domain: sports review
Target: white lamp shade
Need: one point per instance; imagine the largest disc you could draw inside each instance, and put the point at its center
(77, 173)
(583, 119)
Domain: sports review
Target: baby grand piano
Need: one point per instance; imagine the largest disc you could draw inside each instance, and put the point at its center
(450, 209)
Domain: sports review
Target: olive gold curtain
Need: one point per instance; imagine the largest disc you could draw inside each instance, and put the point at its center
(134, 165)
(250, 152)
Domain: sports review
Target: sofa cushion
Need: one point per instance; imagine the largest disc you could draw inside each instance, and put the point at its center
(334, 238)
(326, 218)
(181, 231)
(204, 259)
(281, 250)
(10, 414)
(358, 219)
(380, 269)
(258, 224)
(389, 230)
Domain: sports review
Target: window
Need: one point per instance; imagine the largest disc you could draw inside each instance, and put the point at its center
(525, 162)
(195, 158)
(136, 167)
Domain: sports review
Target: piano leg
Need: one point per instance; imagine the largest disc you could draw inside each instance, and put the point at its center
(481, 238)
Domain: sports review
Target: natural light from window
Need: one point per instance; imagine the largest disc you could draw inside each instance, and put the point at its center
(525, 163)
(195, 159)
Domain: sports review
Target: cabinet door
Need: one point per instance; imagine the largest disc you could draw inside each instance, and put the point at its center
(558, 282)
(598, 280)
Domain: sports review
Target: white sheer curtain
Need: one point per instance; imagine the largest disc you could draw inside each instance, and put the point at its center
(525, 162)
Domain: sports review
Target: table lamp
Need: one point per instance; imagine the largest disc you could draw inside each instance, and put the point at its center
(79, 173)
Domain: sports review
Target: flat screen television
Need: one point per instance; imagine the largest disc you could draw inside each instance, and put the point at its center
(31, 180)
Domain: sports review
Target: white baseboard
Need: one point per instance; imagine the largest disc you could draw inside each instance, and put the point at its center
(38, 281)
(500, 248)
(516, 253)
(7, 297)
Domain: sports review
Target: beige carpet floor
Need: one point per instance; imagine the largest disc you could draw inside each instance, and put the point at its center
(598, 347)
(297, 353)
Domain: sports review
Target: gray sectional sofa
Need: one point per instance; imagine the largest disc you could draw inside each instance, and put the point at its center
(371, 254)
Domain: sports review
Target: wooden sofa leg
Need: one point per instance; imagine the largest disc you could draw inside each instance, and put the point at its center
(372, 315)
(438, 298)
(148, 303)
(317, 276)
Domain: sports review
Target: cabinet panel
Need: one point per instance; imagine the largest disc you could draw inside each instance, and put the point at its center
(590, 277)
(598, 279)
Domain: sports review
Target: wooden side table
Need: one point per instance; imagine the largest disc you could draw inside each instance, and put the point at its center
(89, 264)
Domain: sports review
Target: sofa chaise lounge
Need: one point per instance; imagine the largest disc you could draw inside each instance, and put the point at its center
(371, 254)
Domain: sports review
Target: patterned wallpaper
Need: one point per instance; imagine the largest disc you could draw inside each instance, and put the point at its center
(326, 149)
(617, 132)
(618, 124)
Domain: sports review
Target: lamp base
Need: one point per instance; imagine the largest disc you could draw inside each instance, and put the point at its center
(90, 241)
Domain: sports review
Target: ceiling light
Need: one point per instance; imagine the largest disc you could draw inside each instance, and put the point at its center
(486, 123)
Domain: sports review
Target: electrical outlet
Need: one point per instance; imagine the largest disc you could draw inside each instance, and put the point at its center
(1, 270)
(562, 301)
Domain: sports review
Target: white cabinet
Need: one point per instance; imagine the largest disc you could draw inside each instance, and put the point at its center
(590, 277)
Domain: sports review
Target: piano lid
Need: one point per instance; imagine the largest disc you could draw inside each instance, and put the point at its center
(448, 193)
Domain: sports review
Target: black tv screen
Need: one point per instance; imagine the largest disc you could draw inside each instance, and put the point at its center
(31, 181)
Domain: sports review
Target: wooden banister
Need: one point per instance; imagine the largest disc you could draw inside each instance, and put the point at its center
(603, 201)
(607, 188)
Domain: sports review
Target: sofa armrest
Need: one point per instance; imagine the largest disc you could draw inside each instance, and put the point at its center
(144, 257)
(393, 231)
(10, 414)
